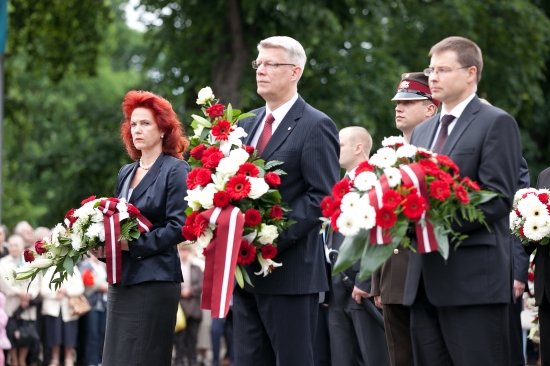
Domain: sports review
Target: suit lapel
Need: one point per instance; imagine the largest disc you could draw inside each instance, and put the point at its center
(257, 122)
(148, 179)
(424, 139)
(285, 128)
(462, 124)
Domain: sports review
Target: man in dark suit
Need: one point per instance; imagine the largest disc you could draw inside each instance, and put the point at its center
(414, 104)
(542, 282)
(459, 307)
(275, 321)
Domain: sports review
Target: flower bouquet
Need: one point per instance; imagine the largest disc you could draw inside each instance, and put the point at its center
(530, 217)
(235, 211)
(98, 222)
(401, 188)
(530, 312)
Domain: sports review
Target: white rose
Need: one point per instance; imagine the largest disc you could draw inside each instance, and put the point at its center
(205, 238)
(207, 196)
(268, 234)
(228, 167)
(205, 95)
(240, 155)
(193, 198)
(258, 187)
(41, 262)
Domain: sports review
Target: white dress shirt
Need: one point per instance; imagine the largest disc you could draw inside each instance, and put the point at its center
(456, 112)
(278, 114)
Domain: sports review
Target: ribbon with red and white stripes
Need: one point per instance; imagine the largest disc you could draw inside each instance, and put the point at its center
(379, 235)
(221, 259)
(113, 251)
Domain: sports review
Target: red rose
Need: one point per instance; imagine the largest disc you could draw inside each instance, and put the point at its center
(198, 177)
(276, 212)
(530, 276)
(364, 167)
(439, 190)
(445, 177)
(429, 167)
(385, 217)
(461, 194)
(187, 232)
(213, 160)
(88, 278)
(133, 211)
(446, 161)
(249, 150)
(543, 197)
(273, 180)
(250, 170)
(414, 206)
(326, 206)
(198, 151)
(340, 189)
(252, 217)
(28, 255)
(247, 253)
(91, 198)
(391, 199)
(222, 130)
(269, 251)
(334, 218)
(221, 199)
(215, 111)
(238, 187)
(39, 247)
(69, 218)
(470, 183)
(200, 225)
(113, 199)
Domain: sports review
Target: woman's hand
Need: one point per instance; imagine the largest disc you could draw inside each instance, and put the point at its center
(98, 253)
(61, 292)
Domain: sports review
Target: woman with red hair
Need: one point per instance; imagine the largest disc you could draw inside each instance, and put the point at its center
(142, 308)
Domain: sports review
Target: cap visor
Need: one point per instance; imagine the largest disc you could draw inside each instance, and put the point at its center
(408, 96)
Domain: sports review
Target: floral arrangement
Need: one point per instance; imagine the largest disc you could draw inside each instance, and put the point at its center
(529, 302)
(81, 230)
(530, 216)
(226, 173)
(400, 189)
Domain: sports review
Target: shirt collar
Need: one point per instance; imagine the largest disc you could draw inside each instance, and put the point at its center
(459, 108)
(280, 113)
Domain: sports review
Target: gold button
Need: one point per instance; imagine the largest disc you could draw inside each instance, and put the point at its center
(395, 251)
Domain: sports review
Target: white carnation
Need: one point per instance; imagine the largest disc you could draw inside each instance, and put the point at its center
(347, 224)
(58, 230)
(393, 175)
(193, 198)
(94, 230)
(228, 167)
(393, 140)
(365, 217)
(205, 95)
(240, 155)
(406, 151)
(258, 187)
(76, 242)
(349, 202)
(268, 234)
(384, 158)
(207, 196)
(85, 211)
(364, 181)
(121, 207)
(536, 228)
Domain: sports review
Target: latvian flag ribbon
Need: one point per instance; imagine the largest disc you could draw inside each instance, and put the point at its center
(113, 250)
(221, 259)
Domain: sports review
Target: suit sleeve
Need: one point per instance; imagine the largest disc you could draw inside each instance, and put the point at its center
(162, 238)
(320, 145)
(364, 284)
(375, 286)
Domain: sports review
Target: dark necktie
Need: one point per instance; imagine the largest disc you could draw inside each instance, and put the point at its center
(265, 135)
(443, 132)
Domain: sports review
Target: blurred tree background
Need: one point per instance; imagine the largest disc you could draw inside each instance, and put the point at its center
(69, 63)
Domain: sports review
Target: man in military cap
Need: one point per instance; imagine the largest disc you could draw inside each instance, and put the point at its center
(414, 104)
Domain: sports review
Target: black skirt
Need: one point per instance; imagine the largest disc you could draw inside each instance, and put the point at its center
(140, 324)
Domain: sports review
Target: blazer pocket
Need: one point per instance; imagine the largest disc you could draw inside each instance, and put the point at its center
(464, 151)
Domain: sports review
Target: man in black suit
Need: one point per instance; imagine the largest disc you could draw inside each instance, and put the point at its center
(275, 321)
(459, 307)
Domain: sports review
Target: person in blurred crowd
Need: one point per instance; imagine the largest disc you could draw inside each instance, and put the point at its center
(5, 343)
(4, 233)
(18, 303)
(25, 230)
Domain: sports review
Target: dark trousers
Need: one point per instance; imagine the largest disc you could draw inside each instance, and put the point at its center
(321, 347)
(186, 342)
(95, 336)
(397, 321)
(459, 335)
(219, 328)
(544, 324)
(274, 330)
(516, 333)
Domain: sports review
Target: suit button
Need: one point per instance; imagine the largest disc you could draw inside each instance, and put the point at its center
(395, 251)
(140, 257)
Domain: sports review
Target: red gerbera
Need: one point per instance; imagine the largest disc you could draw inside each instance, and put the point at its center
(461, 194)
(340, 189)
(364, 167)
(391, 199)
(269, 251)
(91, 198)
(88, 278)
(276, 212)
(222, 130)
(440, 190)
(252, 217)
(406, 189)
(249, 149)
(215, 111)
(221, 199)
(28, 255)
(198, 151)
(543, 197)
(429, 167)
(470, 183)
(133, 211)
(190, 220)
(414, 206)
(200, 225)
(249, 169)
(273, 180)
(113, 199)
(238, 187)
(446, 161)
(334, 218)
(247, 253)
(198, 177)
(187, 232)
(445, 177)
(327, 207)
(385, 217)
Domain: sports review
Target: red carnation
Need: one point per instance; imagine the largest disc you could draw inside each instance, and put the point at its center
(521, 231)
(198, 151)
(391, 199)
(334, 218)
(249, 150)
(445, 177)
(385, 217)
(519, 213)
(238, 187)
(215, 111)
(88, 278)
(247, 253)
(198, 177)
(273, 180)
(39, 246)
(213, 160)
(69, 218)
(276, 212)
(414, 206)
(91, 198)
(269, 251)
(461, 194)
(543, 197)
(221, 199)
(439, 190)
(187, 232)
(446, 161)
(190, 220)
(250, 170)
(200, 225)
(340, 189)
(113, 199)
(429, 167)
(364, 167)
(222, 130)
(530, 276)
(252, 217)
(133, 211)
(470, 183)
(28, 255)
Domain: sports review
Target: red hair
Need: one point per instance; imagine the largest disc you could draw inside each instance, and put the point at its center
(174, 143)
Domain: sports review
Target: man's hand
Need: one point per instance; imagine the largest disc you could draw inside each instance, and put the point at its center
(378, 301)
(358, 294)
(98, 253)
(124, 245)
(519, 287)
(185, 292)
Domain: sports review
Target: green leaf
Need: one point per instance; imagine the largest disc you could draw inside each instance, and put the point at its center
(479, 197)
(68, 265)
(204, 133)
(374, 256)
(246, 277)
(442, 242)
(189, 211)
(272, 163)
(245, 115)
(236, 112)
(350, 251)
(194, 125)
(239, 276)
(201, 121)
